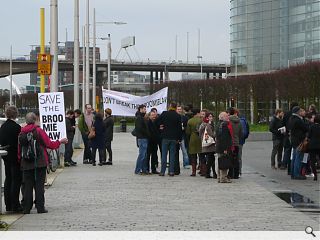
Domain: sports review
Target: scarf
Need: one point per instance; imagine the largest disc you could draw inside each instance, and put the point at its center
(231, 133)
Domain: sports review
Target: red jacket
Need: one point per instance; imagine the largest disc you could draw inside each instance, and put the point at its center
(45, 142)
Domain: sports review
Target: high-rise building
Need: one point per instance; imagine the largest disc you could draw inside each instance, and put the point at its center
(273, 34)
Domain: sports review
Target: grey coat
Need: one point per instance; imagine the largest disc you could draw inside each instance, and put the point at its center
(211, 132)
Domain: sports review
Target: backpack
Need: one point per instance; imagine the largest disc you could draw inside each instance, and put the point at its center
(29, 146)
(245, 127)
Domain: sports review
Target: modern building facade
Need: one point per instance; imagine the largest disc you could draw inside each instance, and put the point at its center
(273, 34)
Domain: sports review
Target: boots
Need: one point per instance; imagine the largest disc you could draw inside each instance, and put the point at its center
(194, 168)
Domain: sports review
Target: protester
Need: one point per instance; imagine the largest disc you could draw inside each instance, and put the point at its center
(9, 132)
(298, 130)
(314, 144)
(192, 133)
(235, 129)
(142, 134)
(153, 142)
(182, 145)
(286, 140)
(242, 140)
(70, 129)
(223, 146)
(171, 135)
(108, 123)
(98, 142)
(277, 130)
(34, 172)
(207, 132)
(84, 125)
(312, 109)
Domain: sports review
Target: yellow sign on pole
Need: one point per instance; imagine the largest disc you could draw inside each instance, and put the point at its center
(44, 64)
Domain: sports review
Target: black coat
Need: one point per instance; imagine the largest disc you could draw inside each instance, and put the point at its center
(108, 123)
(298, 129)
(171, 122)
(141, 127)
(99, 140)
(9, 133)
(314, 137)
(154, 132)
(69, 128)
(223, 137)
(275, 124)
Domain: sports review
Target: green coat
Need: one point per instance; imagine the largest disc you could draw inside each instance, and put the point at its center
(82, 124)
(193, 136)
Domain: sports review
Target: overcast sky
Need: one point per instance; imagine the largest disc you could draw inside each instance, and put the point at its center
(154, 23)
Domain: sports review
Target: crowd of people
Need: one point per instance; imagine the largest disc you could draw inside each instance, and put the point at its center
(296, 141)
(193, 131)
(27, 159)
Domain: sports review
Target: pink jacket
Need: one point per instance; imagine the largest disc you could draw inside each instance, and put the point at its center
(45, 142)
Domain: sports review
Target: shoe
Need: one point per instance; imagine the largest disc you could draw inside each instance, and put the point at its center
(108, 163)
(171, 174)
(176, 174)
(192, 175)
(67, 164)
(100, 164)
(143, 173)
(155, 172)
(215, 176)
(273, 167)
(299, 178)
(161, 174)
(42, 211)
(90, 162)
(86, 161)
(18, 209)
(93, 164)
(208, 176)
(73, 163)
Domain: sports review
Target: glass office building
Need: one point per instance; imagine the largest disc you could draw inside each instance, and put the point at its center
(273, 34)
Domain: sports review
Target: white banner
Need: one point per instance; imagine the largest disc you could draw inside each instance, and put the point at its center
(124, 104)
(52, 117)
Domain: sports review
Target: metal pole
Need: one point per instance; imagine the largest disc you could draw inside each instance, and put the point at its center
(109, 62)
(87, 57)
(11, 75)
(54, 44)
(76, 56)
(94, 80)
(42, 46)
(176, 48)
(83, 69)
(199, 43)
(187, 47)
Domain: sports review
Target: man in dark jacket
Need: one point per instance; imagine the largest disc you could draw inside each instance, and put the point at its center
(154, 140)
(9, 132)
(276, 127)
(70, 129)
(108, 122)
(298, 130)
(142, 134)
(171, 135)
(286, 141)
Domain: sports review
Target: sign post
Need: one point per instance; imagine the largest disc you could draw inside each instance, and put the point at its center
(44, 64)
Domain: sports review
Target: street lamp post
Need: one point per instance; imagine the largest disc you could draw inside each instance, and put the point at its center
(108, 48)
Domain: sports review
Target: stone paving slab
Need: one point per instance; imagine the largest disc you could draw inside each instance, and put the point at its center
(114, 198)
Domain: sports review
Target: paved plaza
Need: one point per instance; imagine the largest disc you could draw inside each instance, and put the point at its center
(114, 198)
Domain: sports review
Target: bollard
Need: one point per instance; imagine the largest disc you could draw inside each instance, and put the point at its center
(123, 125)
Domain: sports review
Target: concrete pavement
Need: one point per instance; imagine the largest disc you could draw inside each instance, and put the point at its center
(114, 198)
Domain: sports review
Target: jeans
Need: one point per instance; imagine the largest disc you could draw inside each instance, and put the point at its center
(277, 150)
(184, 153)
(168, 145)
(141, 165)
(68, 151)
(296, 163)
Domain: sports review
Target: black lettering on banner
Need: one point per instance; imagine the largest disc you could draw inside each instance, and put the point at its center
(52, 118)
(54, 135)
(50, 99)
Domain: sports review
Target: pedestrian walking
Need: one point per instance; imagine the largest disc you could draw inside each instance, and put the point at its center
(34, 168)
(9, 132)
(278, 131)
(314, 144)
(84, 125)
(170, 122)
(109, 123)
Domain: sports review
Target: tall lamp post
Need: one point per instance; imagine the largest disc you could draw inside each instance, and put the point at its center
(108, 49)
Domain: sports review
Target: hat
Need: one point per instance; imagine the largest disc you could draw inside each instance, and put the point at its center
(295, 109)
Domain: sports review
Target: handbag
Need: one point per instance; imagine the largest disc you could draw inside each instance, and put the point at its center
(92, 133)
(134, 132)
(303, 146)
(207, 140)
(225, 161)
